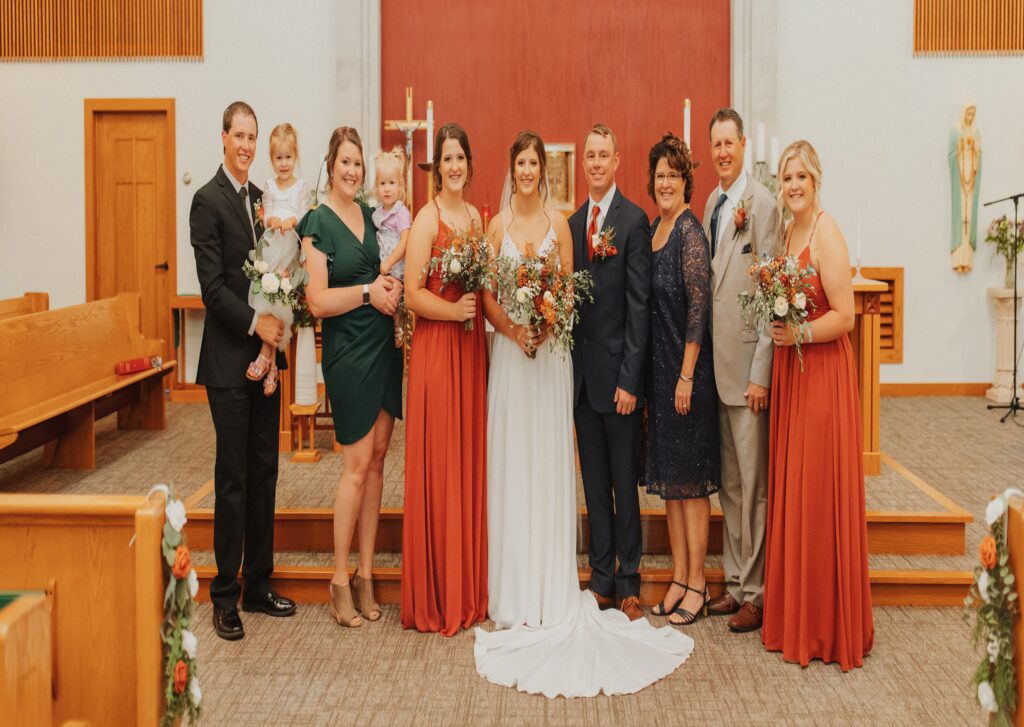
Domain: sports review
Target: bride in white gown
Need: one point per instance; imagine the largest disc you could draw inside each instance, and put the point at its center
(551, 637)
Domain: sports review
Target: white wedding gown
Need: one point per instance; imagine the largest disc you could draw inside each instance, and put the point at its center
(551, 637)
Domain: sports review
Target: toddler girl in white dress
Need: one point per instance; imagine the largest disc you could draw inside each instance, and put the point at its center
(392, 219)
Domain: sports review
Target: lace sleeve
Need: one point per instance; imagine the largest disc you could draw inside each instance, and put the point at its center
(696, 267)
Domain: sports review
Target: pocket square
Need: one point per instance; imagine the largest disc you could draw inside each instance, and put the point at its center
(746, 249)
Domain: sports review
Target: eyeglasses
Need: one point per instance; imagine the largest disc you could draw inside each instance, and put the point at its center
(670, 177)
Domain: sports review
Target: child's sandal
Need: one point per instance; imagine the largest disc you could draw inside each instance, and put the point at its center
(258, 368)
(270, 382)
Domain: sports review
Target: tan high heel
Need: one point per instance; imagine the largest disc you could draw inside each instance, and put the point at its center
(363, 588)
(340, 606)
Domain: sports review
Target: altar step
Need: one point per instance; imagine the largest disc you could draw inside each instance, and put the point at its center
(308, 584)
(889, 532)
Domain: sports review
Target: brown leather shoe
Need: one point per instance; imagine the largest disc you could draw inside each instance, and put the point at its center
(748, 618)
(603, 602)
(631, 607)
(724, 605)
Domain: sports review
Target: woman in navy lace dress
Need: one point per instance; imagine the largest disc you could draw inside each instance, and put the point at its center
(682, 463)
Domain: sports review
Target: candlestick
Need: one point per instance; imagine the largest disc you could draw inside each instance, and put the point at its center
(760, 141)
(686, 122)
(430, 131)
(773, 169)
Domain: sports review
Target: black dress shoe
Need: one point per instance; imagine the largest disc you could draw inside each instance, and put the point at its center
(227, 623)
(269, 603)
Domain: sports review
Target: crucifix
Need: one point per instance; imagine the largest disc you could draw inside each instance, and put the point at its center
(408, 126)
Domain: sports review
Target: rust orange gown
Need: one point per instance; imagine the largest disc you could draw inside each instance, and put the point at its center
(444, 530)
(817, 597)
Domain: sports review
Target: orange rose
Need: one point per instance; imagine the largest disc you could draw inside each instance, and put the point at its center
(988, 552)
(182, 562)
(180, 676)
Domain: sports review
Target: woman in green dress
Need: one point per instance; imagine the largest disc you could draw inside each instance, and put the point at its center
(362, 368)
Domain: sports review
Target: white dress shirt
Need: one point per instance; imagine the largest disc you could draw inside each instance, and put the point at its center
(732, 198)
(604, 205)
(248, 208)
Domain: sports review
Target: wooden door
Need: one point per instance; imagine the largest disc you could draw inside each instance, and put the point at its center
(130, 210)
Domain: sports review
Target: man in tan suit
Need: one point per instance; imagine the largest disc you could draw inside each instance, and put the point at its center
(742, 222)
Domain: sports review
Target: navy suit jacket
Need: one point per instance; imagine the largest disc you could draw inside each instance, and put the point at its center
(611, 339)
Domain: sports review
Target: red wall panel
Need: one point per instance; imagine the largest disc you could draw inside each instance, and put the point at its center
(558, 68)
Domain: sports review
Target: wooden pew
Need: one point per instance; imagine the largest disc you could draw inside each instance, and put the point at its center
(25, 664)
(106, 594)
(28, 303)
(57, 369)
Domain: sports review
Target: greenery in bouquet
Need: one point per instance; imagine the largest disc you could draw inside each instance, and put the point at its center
(992, 603)
(467, 260)
(781, 292)
(536, 292)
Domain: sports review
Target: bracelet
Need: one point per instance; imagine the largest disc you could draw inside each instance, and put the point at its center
(685, 378)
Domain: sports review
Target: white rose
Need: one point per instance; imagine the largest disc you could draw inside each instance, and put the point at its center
(455, 267)
(983, 586)
(987, 697)
(189, 643)
(261, 266)
(523, 294)
(193, 583)
(994, 511)
(781, 307)
(194, 691)
(175, 512)
(286, 285)
(801, 301)
(270, 282)
(548, 297)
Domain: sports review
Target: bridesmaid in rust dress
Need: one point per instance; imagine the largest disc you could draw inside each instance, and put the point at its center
(444, 537)
(817, 597)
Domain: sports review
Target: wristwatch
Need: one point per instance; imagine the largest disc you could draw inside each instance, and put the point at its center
(366, 294)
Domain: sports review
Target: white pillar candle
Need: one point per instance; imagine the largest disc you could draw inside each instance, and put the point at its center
(430, 132)
(748, 159)
(686, 123)
(760, 141)
(773, 169)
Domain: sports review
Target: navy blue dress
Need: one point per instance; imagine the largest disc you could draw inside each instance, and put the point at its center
(682, 459)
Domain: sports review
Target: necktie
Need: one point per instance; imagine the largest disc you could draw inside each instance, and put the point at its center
(714, 223)
(243, 192)
(591, 231)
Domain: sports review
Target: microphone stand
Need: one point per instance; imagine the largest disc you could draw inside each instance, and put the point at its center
(1014, 406)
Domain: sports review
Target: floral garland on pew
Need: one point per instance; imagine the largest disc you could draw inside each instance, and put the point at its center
(182, 692)
(992, 601)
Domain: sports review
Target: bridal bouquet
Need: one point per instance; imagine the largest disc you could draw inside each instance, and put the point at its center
(537, 293)
(276, 287)
(467, 260)
(781, 293)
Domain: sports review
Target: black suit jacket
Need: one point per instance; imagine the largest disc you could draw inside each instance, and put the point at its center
(222, 238)
(611, 339)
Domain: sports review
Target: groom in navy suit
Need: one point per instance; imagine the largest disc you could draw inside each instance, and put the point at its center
(608, 361)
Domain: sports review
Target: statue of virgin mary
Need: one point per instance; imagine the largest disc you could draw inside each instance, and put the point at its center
(965, 181)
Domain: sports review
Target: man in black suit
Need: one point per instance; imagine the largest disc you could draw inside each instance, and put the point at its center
(224, 228)
(609, 360)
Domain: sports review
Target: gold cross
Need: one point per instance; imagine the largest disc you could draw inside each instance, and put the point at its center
(407, 126)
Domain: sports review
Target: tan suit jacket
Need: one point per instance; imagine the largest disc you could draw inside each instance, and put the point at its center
(741, 356)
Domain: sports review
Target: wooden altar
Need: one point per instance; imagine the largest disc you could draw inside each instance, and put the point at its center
(866, 341)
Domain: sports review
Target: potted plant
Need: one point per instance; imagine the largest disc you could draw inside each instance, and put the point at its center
(1000, 234)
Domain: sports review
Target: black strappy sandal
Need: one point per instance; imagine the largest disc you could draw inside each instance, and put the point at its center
(687, 616)
(659, 608)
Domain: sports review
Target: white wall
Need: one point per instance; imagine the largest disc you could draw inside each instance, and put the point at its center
(299, 63)
(880, 119)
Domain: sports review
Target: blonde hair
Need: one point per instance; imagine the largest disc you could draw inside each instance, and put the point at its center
(606, 132)
(803, 152)
(393, 160)
(284, 134)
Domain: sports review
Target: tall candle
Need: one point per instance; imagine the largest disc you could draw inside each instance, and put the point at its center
(430, 132)
(686, 123)
(748, 161)
(760, 141)
(774, 156)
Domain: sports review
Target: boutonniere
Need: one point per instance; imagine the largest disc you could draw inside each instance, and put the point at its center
(604, 247)
(257, 209)
(741, 217)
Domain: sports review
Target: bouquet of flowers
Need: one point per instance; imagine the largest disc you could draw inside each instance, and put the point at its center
(276, 287)
(536, 292)
(468, 260)
(781, 293)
